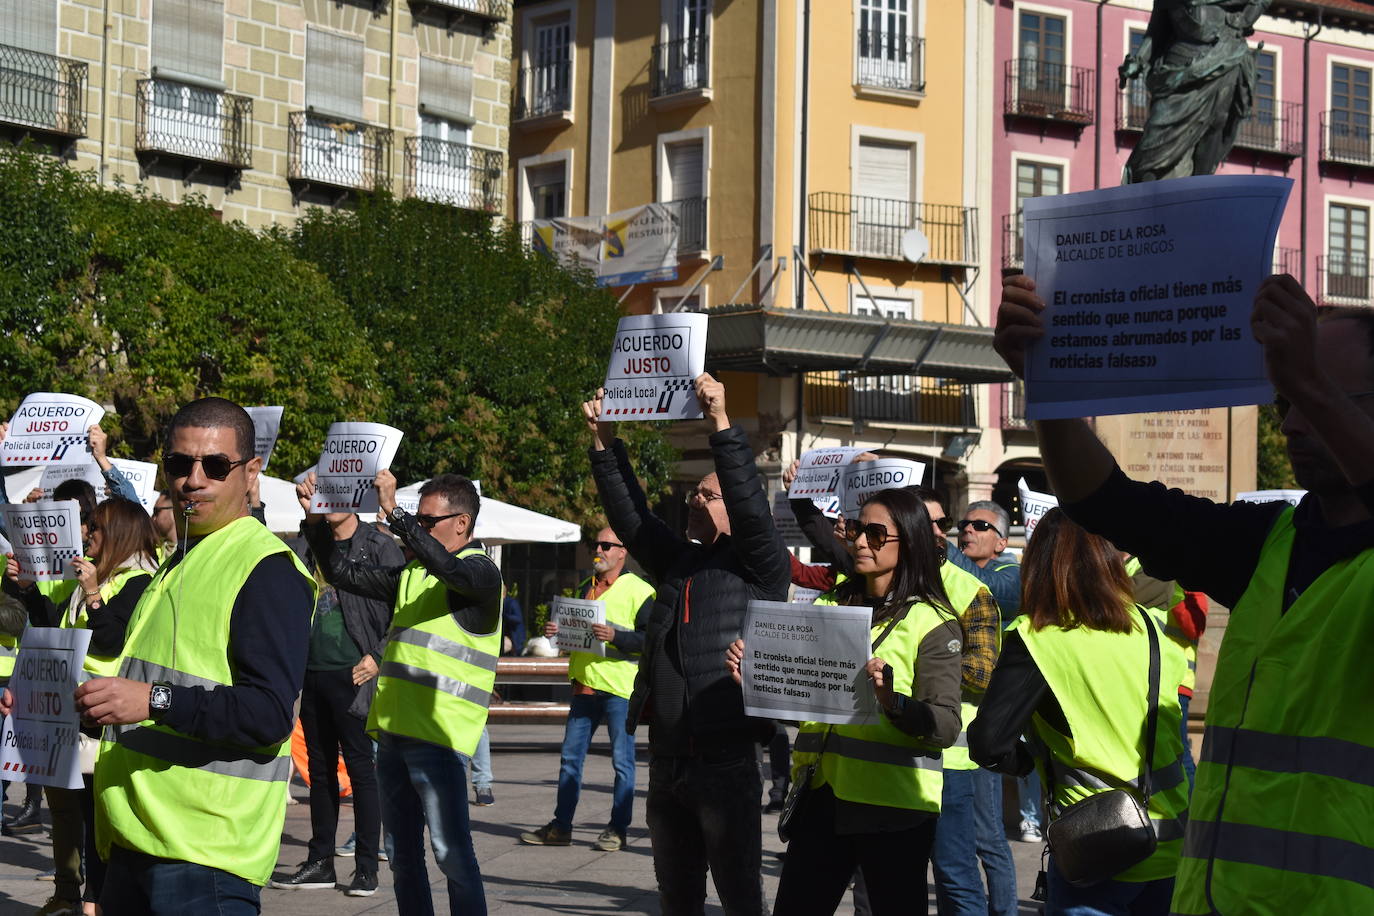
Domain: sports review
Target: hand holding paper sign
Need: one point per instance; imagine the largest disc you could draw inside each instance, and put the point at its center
(603, 432)
(385, 484)
(1018, 322)
(734, 657)
(12, 572)
(880, 676)
(113, 701)
(711, 394)
(99, 442)
(1284, 321)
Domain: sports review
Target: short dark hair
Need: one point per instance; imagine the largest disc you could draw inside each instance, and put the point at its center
(927, 495)
(82, 492)
(217, 413)
(457, 491)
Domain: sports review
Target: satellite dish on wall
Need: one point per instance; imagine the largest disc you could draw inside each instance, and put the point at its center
(915, 245)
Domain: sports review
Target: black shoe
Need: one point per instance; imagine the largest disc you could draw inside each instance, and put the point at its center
(363, 884)
(29, 818)
(314, 875)
(774, 806)
(484, 798)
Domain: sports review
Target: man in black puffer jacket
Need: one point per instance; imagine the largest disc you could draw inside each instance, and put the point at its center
(704, 784)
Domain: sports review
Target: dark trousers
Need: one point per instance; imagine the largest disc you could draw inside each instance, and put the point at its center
(73, 842)
(820, 863)
(779, 764)
(703, 812)
(328, 728)
(141, 885)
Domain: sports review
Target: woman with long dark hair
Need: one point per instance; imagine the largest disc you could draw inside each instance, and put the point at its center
(1074, 677)
(873, 793)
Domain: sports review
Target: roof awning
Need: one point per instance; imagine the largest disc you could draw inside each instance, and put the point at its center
(783, 341)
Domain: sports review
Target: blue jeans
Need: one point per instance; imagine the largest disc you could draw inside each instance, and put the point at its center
(1110, 898)
(954, 858)
(480, 762)
(1189, 765)
(137, 884)
(424, 784)
(991, 840)
(1028, 793)
(586, 712)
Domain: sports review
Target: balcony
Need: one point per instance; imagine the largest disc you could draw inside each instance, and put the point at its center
(544, 98)
(454, 173)
(42, 92)
(681, 71)
(1345, 138)
(327, 150)
(1014, 405)
(906, 399)
(1049, 92)
(872, 227)
(194, 123)
(1287, 261)
(1342, 280)
(691, 212)
(890, 64)
(1277, 131)
(1013, 248)
(486, 12)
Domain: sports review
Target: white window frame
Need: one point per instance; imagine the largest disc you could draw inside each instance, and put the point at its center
(438, 180)
(1044, 10)
(531, 18)
(526, 196)
(919, 30)
(896, 384)
(1344, 201)
(702, 295)
(661, 144)
(1017, 157)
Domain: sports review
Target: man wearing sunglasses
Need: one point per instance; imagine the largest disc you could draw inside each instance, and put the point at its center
(601, 688)
(704, 785)
(1288, 717)
(203, 706)
(982, 535)
(435, 680)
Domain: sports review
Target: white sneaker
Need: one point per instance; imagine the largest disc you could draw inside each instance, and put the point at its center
(1030, 833)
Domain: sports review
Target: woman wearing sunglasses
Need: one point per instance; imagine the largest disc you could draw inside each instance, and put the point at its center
(874, 793)
(121, 556)
(1074, 677)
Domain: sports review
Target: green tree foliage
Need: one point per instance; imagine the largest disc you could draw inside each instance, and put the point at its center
(1272, 468)
(486, 350)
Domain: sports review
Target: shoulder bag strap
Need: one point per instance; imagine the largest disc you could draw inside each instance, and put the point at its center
(1152, 718)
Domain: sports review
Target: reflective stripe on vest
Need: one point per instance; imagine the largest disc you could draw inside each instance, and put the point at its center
(1333, 757)
(451, 685)
(1162, 779)
(444, 646)
(872, 751)
(177, 749)
(1282, 850)
(615, 673)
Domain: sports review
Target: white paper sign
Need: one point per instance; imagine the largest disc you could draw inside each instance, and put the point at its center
(654, 364)
(805, 595)
(39, 744)
(818, 472)
(50, 428)
(806, 662)
(266, 425)
(1033, 506)
(1148, 289)
(45, 537)
(143, 476)
(353, 454)
(54, 475)
(575, 618)
(1292, 497)
(860, 481)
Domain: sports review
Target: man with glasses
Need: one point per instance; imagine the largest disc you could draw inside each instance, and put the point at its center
(704, 784)
(601, 688)
(982, 534)
(435, 680)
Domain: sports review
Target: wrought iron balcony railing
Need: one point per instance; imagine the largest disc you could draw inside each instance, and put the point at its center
(691, 212)
(42, 91)
(545, 89)
(1287, 261)
(454, 173)
(891, 399)
(1013, 245)
(1014, 406)
(1273, 130)
(1346, 138)
(683, 65)
(489, 10)
(194, 123)
(873, 227)
(1052, 92)
(322, 149)
(892, 60)
(1342, 280)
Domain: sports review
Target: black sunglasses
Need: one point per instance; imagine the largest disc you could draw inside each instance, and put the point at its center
(943, 522)
(978, 524)
(216, 467)
(428, 522)
(876, 534)
(606, 545)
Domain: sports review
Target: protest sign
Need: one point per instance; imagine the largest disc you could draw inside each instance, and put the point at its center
(818, 472)
(45, 538)
(1033, 506)
(40, 743)
(1292, 497)
(54, 475)
(786, 522)
(266, 425)
(805, 595)
(862, 480)
(143, 476)
(353, 454)
(1148, 289)
(50, 428)
(654, 364)
(575, 618)
(806, 662)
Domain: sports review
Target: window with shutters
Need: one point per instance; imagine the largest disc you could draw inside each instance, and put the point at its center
(684, 184)
(1041, 73)
(889, 50)
(879, 396)
(883, 207)
(1347, 252)
(184, 108)
(443, 166)
(36, 87)
(548, 189)
(1348, 121)
(332, 146)
(546, 77)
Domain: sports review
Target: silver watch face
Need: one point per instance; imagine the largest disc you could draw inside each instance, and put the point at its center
(397, 512)
(160, 697)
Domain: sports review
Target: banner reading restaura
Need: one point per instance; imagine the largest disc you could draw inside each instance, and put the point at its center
(638, 245)
(266, 426)
(860, 481)
(50, 428)
(45, 537)
(40, 740)
(1033, 506)
(353, 454)
(575, 618)
(805, 662)
(1148, 290)
(655, 361)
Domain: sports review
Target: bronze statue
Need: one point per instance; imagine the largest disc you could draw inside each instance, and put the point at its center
(1200, 74)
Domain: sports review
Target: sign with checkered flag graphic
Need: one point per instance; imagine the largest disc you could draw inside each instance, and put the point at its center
(655, 361)
(38, 742)
(45, 537)
(353, 454)
(50, 428)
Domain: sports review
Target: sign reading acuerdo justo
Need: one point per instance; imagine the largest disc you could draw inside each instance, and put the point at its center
(50, 428)
(45, 537)
(655, 360)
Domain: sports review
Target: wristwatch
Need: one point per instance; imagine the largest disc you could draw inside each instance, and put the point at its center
(159, 700)
(396, 514)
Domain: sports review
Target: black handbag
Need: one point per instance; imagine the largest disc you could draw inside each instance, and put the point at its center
(1105, 834)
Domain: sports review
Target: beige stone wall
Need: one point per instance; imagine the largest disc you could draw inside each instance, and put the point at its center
(264, 59)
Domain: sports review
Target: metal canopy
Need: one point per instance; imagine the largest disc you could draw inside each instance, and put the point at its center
(783, 341)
